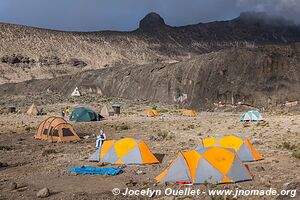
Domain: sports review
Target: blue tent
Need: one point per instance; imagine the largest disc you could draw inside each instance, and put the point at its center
(251, 116)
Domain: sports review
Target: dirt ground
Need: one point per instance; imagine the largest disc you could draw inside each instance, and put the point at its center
(32, 168)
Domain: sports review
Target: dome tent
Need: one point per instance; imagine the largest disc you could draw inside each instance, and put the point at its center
(241, 146)
(56, 129)
(83, 114)
(210, 165)
(124, 151)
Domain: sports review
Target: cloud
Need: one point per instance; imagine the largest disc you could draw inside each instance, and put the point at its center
(287, 8)
(93, 15)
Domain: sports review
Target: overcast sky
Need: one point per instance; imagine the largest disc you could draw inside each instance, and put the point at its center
(93, 15)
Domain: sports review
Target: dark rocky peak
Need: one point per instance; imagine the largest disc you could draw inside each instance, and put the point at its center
(152, 21)
(263, 18)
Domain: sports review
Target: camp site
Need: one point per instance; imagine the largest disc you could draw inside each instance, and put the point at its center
(150, 99)
(155, 145)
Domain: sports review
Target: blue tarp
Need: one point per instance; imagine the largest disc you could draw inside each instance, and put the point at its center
(96, 170)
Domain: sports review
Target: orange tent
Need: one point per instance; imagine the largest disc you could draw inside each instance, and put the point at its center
(151, 113)
(241, 145)
(189, 113)
(209, 165)
(56, 129)
(124, 151)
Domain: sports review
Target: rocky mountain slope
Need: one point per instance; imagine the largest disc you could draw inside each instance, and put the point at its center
(29, 53)
(262, 76)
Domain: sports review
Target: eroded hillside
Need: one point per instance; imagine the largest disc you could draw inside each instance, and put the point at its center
(262, 76)
(29, 53)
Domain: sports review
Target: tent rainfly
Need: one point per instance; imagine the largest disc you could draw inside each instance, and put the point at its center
(56, 129)
(241, 146)
(124, 151)
(209, 165)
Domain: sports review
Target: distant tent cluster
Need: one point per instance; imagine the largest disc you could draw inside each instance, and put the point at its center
(214, 160)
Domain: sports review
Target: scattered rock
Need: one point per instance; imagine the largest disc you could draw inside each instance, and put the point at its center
(285, 186)
(86, 137)
(43, 193)
(3, 164)
(260, 168)
(246, 124)
(131, 183)
(12, 186)
(139, 172)
(257, 142)
(102, 164)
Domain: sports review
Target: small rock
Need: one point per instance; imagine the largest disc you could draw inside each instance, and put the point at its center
(43, 193)
(285, 186)
(139, 172)
(12, 185)
(257, 142)
(3, 164)
(131, 183)
(102, 164)
(260, 168)
(86, 137)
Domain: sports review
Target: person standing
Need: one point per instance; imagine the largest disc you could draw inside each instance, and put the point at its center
(100, 139)
(63, 114)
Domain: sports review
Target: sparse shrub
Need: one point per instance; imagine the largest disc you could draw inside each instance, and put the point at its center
(296, 154)
(164, 111)
(49, 151)
(122, 127)
(162, 135)
(288, 146)
(28, 128)
(6, 148)
(191, 126)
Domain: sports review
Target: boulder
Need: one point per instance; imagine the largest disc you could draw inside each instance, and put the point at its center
(43, 193)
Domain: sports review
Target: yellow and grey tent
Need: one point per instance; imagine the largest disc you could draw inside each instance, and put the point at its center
(189, 113)
(208, 165)
(241, 145)
(124, 151)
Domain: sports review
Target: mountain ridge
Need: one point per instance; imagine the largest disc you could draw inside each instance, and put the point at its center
(200, 53)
